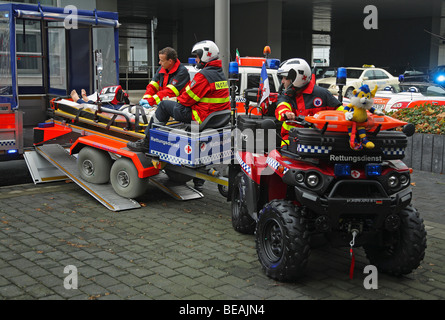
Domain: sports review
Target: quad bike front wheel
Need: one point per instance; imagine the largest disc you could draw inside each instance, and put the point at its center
(406, 249)
(282, 241)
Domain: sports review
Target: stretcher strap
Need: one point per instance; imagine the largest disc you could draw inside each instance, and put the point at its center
(78, 115)
(111, 121)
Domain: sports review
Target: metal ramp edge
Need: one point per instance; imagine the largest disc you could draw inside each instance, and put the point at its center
(104, 193)
(174, 189)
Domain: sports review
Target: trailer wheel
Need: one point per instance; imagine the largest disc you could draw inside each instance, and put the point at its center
(407, 249)
(282, 241)
(125, 181)
(94, 165)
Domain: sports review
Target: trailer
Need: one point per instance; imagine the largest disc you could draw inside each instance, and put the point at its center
(45, 53)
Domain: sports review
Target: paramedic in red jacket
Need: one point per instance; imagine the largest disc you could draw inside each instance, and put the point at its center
(169, 81)
(302, 97)
(207, 92)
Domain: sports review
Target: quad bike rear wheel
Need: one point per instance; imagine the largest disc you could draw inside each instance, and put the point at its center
(241, 220)
(407, 249)
(282, 241)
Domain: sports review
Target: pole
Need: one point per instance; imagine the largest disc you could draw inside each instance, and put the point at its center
(222, 32)
(154, 24)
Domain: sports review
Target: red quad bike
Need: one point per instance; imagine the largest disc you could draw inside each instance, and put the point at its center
(318, 185)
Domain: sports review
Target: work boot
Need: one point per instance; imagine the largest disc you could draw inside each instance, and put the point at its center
(199, 184)
(142, 145)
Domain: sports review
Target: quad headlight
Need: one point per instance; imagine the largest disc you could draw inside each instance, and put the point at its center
(313, 180)
(393, 181)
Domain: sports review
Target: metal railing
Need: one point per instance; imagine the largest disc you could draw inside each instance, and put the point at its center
(135, 76)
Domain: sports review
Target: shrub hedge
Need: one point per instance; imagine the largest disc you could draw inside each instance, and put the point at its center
(427, 118)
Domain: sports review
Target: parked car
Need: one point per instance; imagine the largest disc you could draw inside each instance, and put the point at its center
(408, 95)
(356, 77)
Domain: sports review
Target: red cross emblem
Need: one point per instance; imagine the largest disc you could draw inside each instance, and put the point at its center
(188, 149)
(355, 174)
(304, 77)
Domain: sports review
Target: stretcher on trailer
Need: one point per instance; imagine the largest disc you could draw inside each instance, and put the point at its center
(100, 162)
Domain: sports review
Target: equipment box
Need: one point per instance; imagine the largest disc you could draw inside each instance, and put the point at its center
(189, 148)
(251, 137)
(309, 142)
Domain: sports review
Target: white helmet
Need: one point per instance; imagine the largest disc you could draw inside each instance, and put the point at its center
(206, 51)
(297, 70)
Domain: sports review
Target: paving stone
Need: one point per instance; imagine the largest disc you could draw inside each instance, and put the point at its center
(181, 250)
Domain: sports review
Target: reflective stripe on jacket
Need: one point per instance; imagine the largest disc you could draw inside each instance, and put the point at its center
(306, 103)
(167, 83)
(207, 92)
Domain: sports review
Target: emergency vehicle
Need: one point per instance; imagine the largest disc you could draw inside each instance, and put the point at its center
(249, 79)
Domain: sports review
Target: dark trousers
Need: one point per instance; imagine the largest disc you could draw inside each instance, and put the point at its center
(167, 109)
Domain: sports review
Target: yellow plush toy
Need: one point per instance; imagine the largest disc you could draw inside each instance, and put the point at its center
(356, 111)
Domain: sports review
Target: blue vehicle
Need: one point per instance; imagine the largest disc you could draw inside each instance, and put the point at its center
(47, 52)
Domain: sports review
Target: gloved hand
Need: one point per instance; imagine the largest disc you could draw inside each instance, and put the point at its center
(144, 103)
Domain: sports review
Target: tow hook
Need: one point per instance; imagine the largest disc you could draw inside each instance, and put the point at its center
(354, 233)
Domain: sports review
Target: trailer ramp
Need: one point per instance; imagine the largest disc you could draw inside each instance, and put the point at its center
(67, 164)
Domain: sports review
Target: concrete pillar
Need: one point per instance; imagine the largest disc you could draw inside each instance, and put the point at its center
(439, 22)
(222, 32)
(274, 21)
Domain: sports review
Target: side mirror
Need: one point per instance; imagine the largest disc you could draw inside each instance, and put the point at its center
(409, 129)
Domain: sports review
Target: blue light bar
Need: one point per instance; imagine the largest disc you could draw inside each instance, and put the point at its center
(192, 60)
(233, 68)
(373, 170)
(273, 63)
(342, 169)
(341, 73)
(13, 151)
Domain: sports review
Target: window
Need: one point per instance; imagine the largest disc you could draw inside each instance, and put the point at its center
(369, 74)
(253, 82)
(29, 53)
(379, 74)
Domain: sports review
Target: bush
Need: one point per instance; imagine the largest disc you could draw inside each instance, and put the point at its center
(427, 118)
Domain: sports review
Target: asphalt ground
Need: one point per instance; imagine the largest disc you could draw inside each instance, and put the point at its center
(181, 251)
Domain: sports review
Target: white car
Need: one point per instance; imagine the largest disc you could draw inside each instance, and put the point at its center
(408, 95)
(356, 77)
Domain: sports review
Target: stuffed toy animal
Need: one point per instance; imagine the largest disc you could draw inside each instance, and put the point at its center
(356, 111)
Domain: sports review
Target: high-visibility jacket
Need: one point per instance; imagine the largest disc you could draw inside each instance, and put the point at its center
(165, 83)
(207, 92)
(306, 103)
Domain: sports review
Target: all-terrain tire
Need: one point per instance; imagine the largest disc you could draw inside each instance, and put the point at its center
(241, 220)
(408, 252)
(282, 241)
